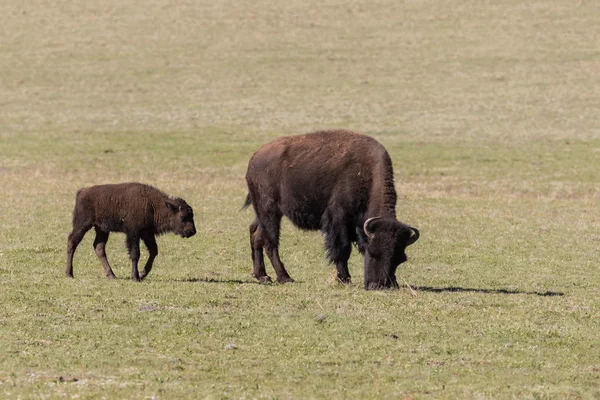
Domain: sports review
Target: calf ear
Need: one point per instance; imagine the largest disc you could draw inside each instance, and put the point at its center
(414, 236)
(174, 208)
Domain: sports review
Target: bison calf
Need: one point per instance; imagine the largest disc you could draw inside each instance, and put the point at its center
(140, 211)
(339, 182)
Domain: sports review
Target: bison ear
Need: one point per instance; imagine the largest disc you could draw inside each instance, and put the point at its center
(362, 240)
(174, 208)
(414, 236)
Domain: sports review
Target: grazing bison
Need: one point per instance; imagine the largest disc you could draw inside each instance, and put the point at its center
(140, 211)
(338, 181)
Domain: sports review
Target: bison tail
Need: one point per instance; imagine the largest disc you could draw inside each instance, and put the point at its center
(247, 202)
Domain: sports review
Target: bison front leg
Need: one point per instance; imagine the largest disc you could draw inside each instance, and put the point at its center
(337, 244)
(152, 247)
(100, 249)
(133, 246)
(343, 275)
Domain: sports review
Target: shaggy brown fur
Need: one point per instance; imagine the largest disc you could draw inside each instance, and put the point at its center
(140, 211)
(333, 181)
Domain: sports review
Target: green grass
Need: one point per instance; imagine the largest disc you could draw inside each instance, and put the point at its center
(490, 111)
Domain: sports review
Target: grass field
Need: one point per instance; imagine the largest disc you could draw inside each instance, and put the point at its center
(489, 109)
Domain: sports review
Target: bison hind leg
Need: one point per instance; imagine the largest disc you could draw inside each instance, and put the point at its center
(258, 260)
(267, 237)
(282, 274)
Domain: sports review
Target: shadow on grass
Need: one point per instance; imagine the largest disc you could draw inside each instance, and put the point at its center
(487, 291)
(213, 280)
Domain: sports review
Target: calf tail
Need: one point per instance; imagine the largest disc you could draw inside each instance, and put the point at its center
(77, 203)
(247, 202)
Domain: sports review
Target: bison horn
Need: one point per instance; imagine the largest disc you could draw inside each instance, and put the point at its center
(366, 226)
(414, 236)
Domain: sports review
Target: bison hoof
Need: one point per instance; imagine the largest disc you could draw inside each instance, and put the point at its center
(285, 279)
(344, 280)
(70, 276)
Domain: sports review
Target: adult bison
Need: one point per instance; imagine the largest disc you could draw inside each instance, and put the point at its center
(338, 181)
(140, 211)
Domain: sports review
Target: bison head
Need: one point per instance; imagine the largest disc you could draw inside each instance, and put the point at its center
(383, 241)
(182, 217)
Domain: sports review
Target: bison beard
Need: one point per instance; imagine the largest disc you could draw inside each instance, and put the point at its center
(339, 182)
(140, 211)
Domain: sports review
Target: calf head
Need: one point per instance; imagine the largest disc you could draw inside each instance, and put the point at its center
(181, 217)
(384, 241)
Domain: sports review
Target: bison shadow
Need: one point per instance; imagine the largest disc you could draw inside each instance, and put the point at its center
(547, 293)
(485, 291)
(213, 280)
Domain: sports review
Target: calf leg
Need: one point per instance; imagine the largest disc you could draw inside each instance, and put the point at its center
(150, 242)
(100, 249)
(73, 241)
(337, 243)
(133, 246)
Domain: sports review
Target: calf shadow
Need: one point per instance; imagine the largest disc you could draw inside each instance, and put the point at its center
(485, 291)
